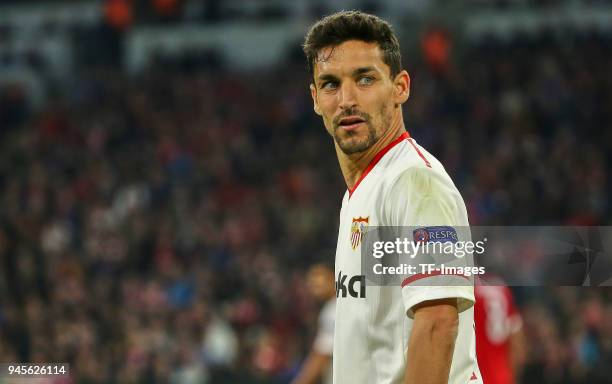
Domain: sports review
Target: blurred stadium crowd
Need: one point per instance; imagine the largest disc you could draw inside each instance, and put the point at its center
(156, 228)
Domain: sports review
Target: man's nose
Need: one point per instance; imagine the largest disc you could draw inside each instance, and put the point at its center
(347, 96)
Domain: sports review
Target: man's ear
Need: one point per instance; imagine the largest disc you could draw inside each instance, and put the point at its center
(313, 93)
(402, 87)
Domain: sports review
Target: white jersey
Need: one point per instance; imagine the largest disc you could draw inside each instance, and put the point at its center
(403, 186)
(324, 341)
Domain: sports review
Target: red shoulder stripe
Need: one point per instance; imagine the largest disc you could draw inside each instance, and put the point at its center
(420, 154)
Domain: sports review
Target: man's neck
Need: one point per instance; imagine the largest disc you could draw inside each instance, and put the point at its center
(354, 165)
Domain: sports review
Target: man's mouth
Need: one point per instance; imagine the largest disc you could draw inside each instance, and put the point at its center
(350, 123)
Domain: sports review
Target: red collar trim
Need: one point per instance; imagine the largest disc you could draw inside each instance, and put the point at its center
(376, 159)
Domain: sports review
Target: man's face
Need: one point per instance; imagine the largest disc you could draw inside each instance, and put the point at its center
(321, 282)
(354, 94)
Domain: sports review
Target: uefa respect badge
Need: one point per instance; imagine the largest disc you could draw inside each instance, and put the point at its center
(437, 234)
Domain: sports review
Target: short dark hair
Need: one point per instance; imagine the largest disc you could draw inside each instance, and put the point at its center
(339, 27)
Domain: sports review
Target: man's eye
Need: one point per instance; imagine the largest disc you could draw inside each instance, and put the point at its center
(366, 80)
(329, 85)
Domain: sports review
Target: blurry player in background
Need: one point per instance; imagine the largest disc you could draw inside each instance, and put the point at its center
(318, 363)
(500, 342)
(422, 331)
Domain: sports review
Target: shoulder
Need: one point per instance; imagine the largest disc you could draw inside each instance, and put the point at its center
(414, 165)
(421, 182)
(328, 312)
(418, 188)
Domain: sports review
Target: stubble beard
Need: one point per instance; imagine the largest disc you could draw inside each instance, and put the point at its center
(349, 142)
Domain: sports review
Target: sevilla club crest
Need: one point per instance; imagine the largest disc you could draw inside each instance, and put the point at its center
(358, 228)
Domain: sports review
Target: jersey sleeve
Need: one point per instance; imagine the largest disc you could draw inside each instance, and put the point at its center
(324, 340)
(422, 198)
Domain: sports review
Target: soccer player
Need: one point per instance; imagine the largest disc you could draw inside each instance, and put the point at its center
(418, 332)
(318, 363)
(500, 341)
